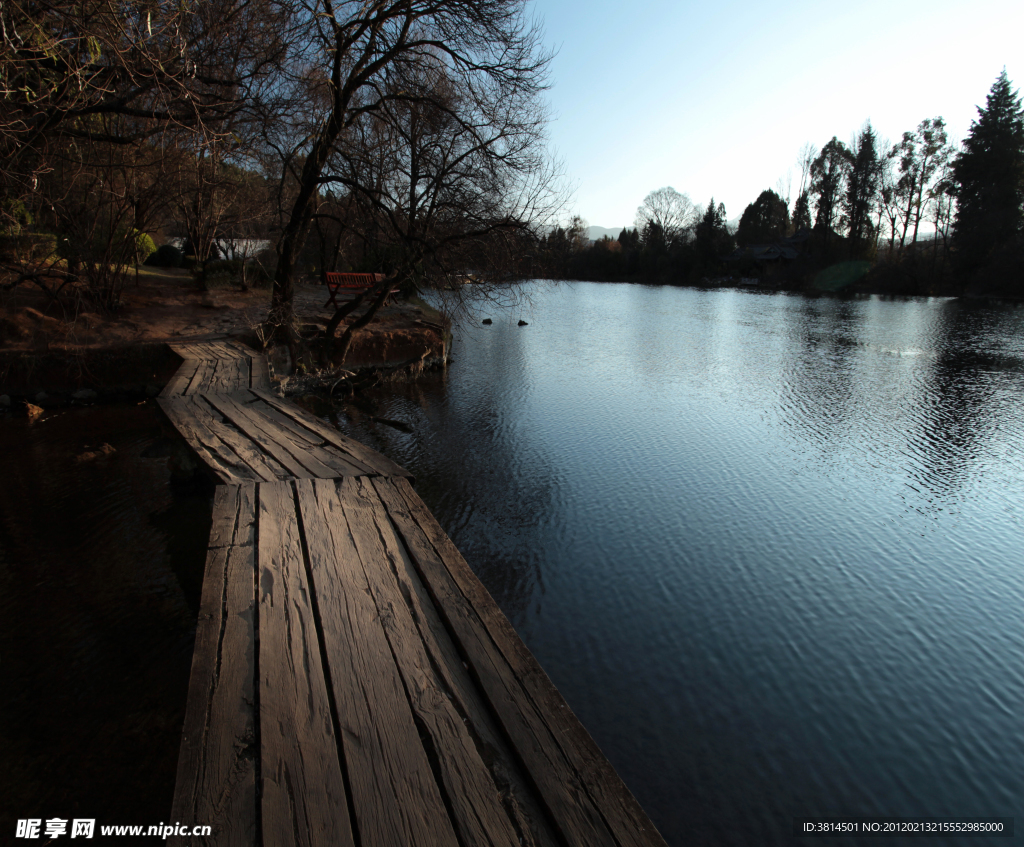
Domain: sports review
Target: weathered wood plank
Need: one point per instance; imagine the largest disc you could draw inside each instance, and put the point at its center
(244, 376)
(262, 465)
(185, 350)
(564, 791)
(533, 822)
(371, 460)
(228, 377)
(203, 376)
(241, 349)
(182, 377)
(222, 377)
(217, 455)
(305, 439)
(216, 782)
(271, 440)
(211, 349)
(303, 791)
(454, 584)
(451, 721)
(260, 376)
(395, 797)
(222, 350)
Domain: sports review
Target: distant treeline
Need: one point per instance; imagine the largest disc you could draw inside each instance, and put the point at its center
(920, 216)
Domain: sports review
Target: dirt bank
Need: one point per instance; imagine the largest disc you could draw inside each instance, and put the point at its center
(58, 348)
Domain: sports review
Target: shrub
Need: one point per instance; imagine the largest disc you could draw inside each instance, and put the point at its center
(14, 217)
(28, 247)
(221, 273)
(144, 246)
(166, 256)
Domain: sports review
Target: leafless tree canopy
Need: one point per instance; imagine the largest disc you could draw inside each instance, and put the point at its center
(666, 208)
(412, 129)
(423, 116)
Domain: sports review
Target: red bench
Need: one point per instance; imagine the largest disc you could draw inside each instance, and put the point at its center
(357, 283)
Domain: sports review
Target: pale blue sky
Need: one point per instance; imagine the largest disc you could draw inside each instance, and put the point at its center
(718, 98)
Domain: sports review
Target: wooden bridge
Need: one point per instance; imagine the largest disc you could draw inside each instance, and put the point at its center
(353, 682)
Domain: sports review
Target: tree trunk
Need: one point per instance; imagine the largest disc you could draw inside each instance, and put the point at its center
(381, 290)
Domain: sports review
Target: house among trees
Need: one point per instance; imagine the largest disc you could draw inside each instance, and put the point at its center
(774, 254)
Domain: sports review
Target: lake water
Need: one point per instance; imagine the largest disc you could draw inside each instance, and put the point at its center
(768, 547)
(101, 565)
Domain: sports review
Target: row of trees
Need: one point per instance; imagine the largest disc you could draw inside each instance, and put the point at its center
(869, 199)
(673, 240)
(405, 136)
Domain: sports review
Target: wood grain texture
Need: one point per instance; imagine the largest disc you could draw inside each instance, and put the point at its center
(260, 376)
(395, 797)
(203, 376)
(371, 460)
(303, 791)
(216, 782)
(194, 428)
(271, 439)
(450, 717)
(624, 815)
(307, 440)
(184, 350)
(263, 465)
(182, 377)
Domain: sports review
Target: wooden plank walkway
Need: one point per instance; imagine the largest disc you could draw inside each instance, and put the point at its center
(353, 682)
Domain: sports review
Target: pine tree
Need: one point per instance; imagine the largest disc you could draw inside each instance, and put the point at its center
(711, 235)
(802, 212)
(862, 186)
(989, 178)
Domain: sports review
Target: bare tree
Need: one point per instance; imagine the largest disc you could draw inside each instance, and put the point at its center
(666, 208)
(65, 65)
(784, 185)
(808, 153)
(348, 61)
(441, 183)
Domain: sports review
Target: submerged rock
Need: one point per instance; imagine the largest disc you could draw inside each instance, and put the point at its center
(84, 395)
(89, 455)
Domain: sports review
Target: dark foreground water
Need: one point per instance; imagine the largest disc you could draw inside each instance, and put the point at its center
(101, 564)
(768, 547)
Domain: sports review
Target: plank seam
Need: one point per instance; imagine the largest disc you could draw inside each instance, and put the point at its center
(223, 624)
(256, 718)
(325, 664)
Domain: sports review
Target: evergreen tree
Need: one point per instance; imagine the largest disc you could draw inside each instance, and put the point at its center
(711, 237)
(989, 178)
(765, 219)
(629, 239)
(802, 212)
(828, 179)
(862, 185)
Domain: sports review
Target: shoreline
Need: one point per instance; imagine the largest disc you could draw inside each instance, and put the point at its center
(54, 361)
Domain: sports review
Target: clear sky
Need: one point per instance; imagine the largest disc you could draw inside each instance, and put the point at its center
(717, 98)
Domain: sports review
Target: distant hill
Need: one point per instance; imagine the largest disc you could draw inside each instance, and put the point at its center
(596, 233)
